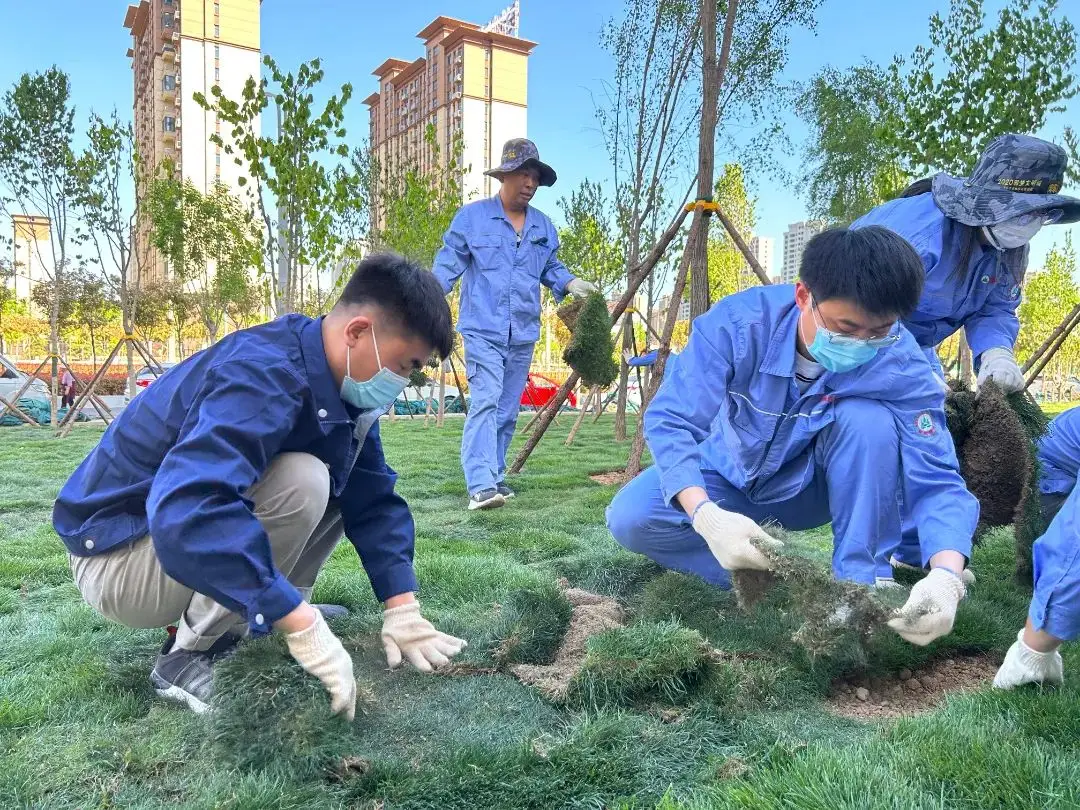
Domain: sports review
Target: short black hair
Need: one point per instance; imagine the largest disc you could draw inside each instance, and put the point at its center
(407, 293)
(875, 268)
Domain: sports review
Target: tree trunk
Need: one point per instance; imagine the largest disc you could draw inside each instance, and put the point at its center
(699, 260)
(54, 348)
(965, 359)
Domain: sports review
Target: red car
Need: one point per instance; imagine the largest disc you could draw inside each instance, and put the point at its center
(540, 389)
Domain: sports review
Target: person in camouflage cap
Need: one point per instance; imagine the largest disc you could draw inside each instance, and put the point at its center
(972, 234)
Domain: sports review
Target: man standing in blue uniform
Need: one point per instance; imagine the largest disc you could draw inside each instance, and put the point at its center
(1054, 614)
(972, 235)
(802, 405)
(505, 249)
(216, 496)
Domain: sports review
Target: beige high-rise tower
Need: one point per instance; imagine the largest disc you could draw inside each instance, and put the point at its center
(179, 48)
(472, 81)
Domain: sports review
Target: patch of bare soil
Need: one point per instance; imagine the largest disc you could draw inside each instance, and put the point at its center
(592, 614)
(611, 478)
(910, 692)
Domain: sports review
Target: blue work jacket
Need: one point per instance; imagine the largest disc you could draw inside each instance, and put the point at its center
(729, 403)
(982, 299)
(1059, 453)
(176, 462)
(500, 294)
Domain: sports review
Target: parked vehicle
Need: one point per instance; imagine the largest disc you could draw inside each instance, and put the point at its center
(540, 389)
(12, 380)
(147, 375)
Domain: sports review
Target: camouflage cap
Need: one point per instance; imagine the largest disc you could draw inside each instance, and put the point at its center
(1016, 174)
(520, 153)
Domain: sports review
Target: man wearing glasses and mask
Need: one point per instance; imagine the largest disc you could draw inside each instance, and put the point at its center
(803, 405)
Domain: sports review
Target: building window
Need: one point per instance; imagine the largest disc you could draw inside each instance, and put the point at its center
(168, 82)
(167, 20)
(217, 8)
(217, 74)
(217, 31)
(168, 124)
(217, 51)
(217, 161)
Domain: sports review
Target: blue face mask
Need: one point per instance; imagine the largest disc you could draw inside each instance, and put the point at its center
(841, 353)
(377, 393)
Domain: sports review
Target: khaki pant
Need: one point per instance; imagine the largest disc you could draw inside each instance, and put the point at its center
(292, 501)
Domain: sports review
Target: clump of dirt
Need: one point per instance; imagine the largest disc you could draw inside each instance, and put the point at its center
(569, 311)
(834, 613)
(995, 437)
(592, 614)
(610, 478)
(909, 692)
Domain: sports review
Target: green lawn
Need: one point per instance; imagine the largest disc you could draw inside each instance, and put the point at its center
(653, 723)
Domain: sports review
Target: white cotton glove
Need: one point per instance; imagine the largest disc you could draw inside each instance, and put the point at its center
(320, 653)
(1025, 665)
(728, 535)
(931, 608)
(579, 288)
(1000, 366)
(405, 631)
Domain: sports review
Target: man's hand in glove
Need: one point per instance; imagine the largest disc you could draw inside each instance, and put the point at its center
(320, 653)
(579, 288)
(1000, 366)
(729, 534)
(1025, 665)
(406, 632)
(931, 608)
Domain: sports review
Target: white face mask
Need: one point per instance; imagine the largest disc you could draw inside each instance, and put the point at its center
(1018, 231)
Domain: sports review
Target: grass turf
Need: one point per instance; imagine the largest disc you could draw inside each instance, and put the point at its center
(653, 720)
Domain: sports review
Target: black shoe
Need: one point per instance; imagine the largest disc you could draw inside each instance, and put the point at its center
(504, 490)
(187, 676)
(486, 499)
(332, 611)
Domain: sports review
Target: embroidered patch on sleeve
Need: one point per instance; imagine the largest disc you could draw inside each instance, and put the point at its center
(924, 424)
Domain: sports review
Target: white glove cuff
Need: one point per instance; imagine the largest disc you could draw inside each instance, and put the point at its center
(310, 640)
(401, 613)
(993, 354)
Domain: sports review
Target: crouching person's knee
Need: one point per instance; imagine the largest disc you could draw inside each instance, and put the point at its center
(626, 520)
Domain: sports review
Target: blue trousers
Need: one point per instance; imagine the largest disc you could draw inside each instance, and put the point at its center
(497, 375)
(856, 473)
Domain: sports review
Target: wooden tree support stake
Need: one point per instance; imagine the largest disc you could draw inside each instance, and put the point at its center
(460, 390)
(1051, 346)
(440, 418)
(593, 393)
(90, 392)
(1065, 324)
(13, 405)
(15, 409)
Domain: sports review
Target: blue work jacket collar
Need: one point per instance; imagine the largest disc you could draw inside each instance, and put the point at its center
(324, 392)
(498, 212)
(779, 357)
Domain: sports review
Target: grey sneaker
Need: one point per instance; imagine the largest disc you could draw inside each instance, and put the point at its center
(504, 490)
(187, 676)
(486, 499)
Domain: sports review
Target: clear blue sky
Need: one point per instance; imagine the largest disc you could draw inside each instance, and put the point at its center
(88, 40)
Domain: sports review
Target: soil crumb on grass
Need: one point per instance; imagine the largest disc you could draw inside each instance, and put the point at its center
(610, 478)
(910, 692)
(592, 614)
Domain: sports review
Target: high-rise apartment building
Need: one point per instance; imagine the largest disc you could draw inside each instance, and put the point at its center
(32, 256)
(761, 247)
(471, 83)
(795, 239)
(179, 48)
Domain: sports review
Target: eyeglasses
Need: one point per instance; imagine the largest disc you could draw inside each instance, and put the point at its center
(841, 339)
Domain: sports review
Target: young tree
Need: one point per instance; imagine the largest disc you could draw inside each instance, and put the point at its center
(728, 270)
(106, 175)
(873, 128)
(590, 245)
(94, 307)
(210, 241)
(305, 192)
(7, 297)
(410, 209)
(38, 176)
